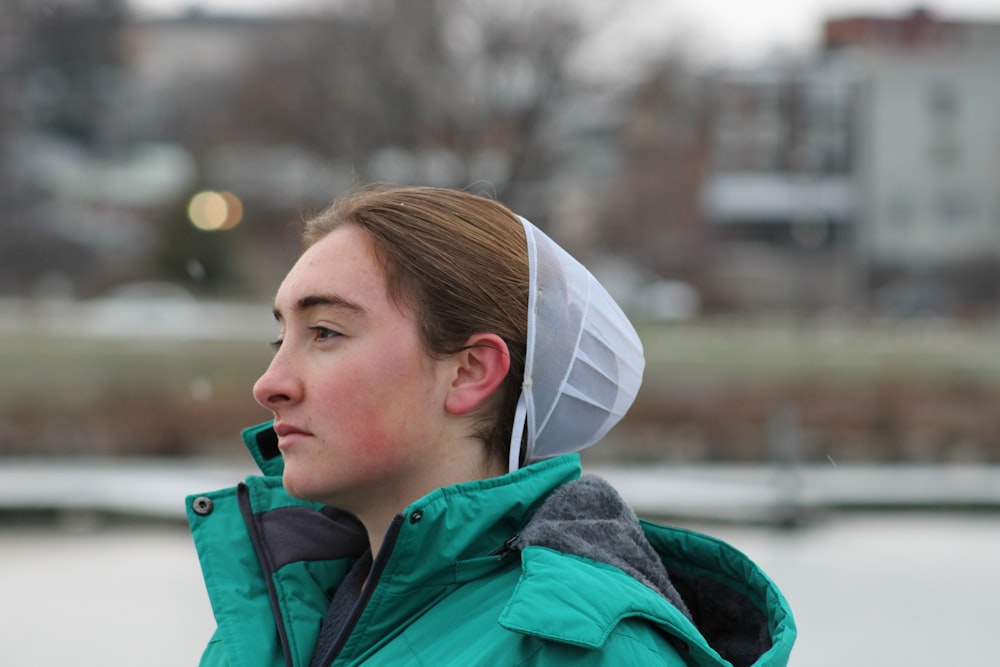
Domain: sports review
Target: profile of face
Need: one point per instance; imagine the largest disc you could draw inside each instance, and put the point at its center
(360, 407)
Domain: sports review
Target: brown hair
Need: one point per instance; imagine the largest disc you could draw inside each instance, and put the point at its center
(460, 263)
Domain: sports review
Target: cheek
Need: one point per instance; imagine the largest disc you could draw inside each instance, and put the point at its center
(376, 406)
(389, 423)
(400, 415)
(369, 410)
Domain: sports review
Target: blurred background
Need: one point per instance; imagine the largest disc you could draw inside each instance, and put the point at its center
(797, 203)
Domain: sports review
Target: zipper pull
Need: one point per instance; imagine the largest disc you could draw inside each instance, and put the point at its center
(506, 548)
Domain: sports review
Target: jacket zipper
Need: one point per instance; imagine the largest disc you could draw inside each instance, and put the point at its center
(378, 565)
(243, 495)
(505, 549)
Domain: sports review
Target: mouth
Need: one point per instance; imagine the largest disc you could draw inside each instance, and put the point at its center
(289, 434)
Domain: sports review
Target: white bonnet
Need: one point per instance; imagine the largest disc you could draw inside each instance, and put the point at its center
(583, 362)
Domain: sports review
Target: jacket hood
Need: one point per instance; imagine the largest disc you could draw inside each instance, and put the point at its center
(708, 596)
(588, 518)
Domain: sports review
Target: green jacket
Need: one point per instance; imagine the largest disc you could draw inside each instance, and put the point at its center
(487, 572)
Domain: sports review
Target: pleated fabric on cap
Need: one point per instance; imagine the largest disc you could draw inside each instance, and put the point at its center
(584, 360)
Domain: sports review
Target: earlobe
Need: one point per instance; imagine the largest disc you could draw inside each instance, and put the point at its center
(481, 367)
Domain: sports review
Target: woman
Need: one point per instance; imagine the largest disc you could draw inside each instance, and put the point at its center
(440, 362)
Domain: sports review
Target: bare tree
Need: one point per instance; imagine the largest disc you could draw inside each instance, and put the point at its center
(469, 77)
(60, 63)
(657, 213)
(73, 64)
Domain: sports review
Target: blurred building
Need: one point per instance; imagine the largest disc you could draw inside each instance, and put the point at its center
(883, 150)
(928, 172)
(779, 193)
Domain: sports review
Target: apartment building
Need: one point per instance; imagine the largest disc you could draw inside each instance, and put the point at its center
(882, 149)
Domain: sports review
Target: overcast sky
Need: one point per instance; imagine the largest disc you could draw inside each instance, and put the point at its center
(723, 31)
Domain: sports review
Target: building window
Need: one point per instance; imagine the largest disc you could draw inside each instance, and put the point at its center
(943, 101)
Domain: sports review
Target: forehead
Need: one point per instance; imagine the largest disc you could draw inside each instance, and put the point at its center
(342, 262)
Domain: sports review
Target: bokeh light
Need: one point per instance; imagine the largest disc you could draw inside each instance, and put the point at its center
(211, 211)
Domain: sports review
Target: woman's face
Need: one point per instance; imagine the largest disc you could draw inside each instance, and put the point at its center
(358, 403)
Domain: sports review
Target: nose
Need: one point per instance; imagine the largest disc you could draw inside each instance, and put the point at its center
(278, 385)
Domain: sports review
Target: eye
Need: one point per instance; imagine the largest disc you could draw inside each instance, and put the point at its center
(323, 333)
(276, 343)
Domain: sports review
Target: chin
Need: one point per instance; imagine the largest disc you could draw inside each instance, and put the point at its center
(303, 489)
(294, 487)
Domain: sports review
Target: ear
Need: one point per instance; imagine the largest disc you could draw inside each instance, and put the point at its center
(480, 368)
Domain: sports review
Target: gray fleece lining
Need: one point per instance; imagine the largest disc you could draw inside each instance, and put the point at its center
(588, 518)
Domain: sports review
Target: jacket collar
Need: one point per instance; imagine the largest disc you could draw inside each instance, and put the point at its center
(450, 536)
(262, 442)
(463, 524)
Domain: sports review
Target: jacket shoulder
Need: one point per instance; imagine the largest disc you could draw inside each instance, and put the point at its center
(593, 612)
(519, 616)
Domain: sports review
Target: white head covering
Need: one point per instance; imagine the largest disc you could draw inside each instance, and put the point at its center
(583, 363)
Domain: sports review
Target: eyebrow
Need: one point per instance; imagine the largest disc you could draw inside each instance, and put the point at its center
(322, 300)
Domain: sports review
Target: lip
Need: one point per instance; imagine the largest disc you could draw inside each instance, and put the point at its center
(288, 434)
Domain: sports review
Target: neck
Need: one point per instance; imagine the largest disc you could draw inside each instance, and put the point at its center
(378, 515)
(377, 529)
